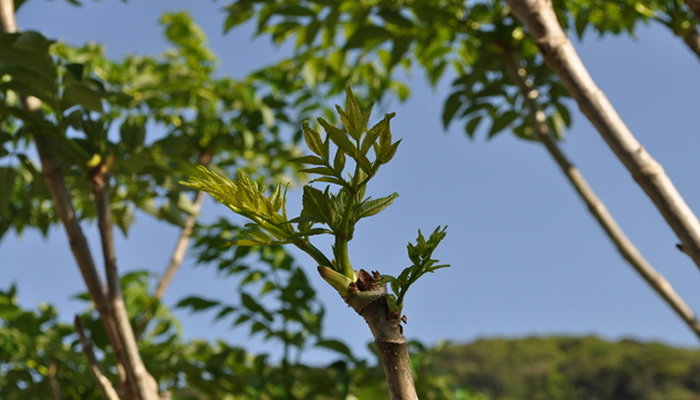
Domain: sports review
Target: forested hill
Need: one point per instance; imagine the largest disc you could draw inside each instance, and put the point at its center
(574, 368)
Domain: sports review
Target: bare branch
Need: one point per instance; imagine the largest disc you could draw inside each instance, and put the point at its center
(180, 248)
(561, 56)
(137, 375)
(140, 385)
(624, 245)
(101, 380)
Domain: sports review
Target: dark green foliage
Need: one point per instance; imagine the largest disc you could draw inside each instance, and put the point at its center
(88, 97)
(574, 368)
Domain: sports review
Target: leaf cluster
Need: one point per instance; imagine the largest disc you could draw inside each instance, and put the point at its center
(98, 111)
(420, 254)
(470, 40)
(339, 211)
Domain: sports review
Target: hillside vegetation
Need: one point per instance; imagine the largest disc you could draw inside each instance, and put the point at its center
(574, 368)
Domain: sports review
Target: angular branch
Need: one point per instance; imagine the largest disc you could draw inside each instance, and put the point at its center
(136, 373)
(624, 245)
(101, 380)
(561, 56)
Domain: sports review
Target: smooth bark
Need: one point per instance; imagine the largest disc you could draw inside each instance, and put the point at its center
(133, 365)
(180, 248)
(101, 380)
(596, 207)
(561, 56)
(368, 298)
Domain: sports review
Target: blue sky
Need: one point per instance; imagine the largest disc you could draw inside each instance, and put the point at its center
(527, 258)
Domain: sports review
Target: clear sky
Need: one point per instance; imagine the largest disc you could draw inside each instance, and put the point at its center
(527, 258)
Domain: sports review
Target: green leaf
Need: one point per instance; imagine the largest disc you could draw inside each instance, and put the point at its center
(373, 207)
(313, 140)
(123, 216)
(452, 105)
(81, 94)
(312, 160)
(472, 125)
(389, 153)
(366, 36)
(253, 306)
(339, 162)
(501, 122)
(564, 113)
(293, 10)
(339, 138)
(7, 181)
(197, 304)
(316, 205)
(132, 132)
(337, 346)
(399, 48)
(318, 170)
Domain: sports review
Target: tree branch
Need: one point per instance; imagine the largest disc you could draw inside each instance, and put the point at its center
(113, 315)
(146, 387)
(180, 248)
(101, 380)
(596, 207)
(692, 39)
(368, 299)
(182, 241)
(55, 387)
(694, 6)
(175, 261)
(561, 56)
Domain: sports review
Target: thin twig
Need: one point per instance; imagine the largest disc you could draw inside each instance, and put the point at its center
(180, 247)
(175, 261)
(560, 55)
(184, 238)
(624, 245)
(101, 380)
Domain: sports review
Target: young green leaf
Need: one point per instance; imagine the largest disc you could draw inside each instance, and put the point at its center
(339, 138)
(421, 256)
(373, 207)
(313, 139)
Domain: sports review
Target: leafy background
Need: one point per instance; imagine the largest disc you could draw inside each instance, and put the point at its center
(526, 256)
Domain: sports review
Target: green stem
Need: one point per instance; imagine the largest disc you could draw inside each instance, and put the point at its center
(342, 258)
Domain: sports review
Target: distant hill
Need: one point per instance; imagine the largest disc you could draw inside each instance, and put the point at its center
(589, 368)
